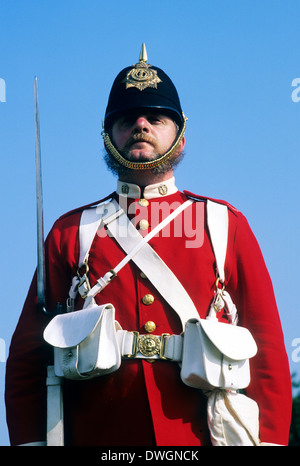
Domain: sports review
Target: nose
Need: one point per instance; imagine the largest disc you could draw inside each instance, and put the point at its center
(141, 124)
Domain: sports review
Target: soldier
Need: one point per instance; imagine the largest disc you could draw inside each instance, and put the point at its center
(145, 402)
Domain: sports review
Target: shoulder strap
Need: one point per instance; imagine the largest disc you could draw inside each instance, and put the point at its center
(217, 220)
(89, 224)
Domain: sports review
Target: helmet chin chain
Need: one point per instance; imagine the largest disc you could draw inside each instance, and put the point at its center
(143, 165)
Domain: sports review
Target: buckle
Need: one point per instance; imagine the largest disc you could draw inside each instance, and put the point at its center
(148, 345)
(163, 345)
(83, 285)
(134, 346)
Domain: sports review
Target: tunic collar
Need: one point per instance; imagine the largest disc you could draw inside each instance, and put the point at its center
(151, 191)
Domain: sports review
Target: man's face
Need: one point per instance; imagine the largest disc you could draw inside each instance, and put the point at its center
(142, 137)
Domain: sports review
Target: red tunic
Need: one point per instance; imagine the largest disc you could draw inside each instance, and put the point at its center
(146, 403)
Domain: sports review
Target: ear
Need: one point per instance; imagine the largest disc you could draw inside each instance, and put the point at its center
(181, 145)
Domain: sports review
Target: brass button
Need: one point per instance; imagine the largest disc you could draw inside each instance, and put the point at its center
(149, 326)
(163, 189)
(142, 275)
(143, 224)
(148, 299)
(125, 189)
(143, 202)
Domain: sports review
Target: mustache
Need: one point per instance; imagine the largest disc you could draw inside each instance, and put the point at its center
(139, 137)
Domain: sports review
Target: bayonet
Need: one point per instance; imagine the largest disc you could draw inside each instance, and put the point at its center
(41, 274)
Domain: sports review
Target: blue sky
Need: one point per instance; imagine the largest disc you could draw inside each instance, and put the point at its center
(233, 63)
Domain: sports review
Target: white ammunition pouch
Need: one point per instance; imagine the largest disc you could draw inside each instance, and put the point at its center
(85, 343)
(216, 355)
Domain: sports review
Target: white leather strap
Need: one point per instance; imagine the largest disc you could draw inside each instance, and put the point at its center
(55, 427)
(89, 224)
(129, 346)
(217, 220)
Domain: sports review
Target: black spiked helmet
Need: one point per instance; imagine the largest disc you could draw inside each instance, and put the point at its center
(142, 86)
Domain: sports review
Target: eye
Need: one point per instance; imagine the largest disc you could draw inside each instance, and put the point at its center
(155, 119)
(126, 121)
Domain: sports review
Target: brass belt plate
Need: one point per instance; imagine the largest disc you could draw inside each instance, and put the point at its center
(149, 345)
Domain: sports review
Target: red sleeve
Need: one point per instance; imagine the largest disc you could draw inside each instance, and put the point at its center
(250, 286)
(29, 355)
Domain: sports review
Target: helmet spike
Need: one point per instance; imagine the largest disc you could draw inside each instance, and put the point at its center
(143, 54)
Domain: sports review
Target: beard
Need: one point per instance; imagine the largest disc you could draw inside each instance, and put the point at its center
(119, 170)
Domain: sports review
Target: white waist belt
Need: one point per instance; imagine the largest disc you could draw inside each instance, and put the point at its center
(165, 346)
